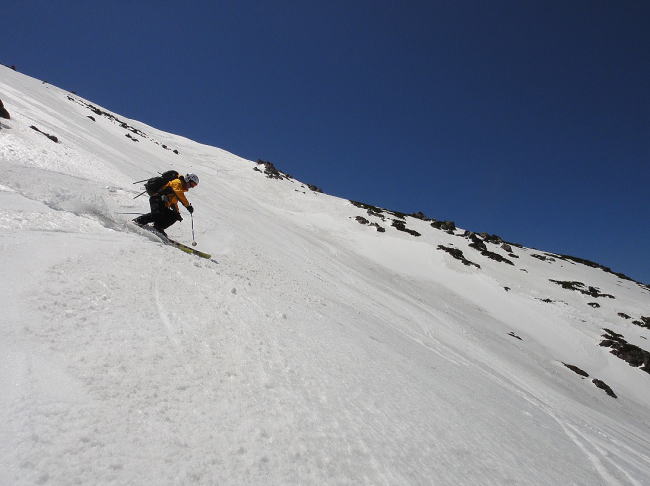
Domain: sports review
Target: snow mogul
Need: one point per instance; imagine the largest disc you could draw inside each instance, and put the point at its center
(165, 192)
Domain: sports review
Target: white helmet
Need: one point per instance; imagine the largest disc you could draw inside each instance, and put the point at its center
(192, 178)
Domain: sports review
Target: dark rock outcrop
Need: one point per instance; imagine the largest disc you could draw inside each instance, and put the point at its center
(314, 188)
(362, 220)
(3, 112)
(448, 226)
(458, 255)
(51, 137)
(479, 245)
(401, 226)
(579, 287)
(577, 370)
(603, 386)
(271, 171)
(633, 355)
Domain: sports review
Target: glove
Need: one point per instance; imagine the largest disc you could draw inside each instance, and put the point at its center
(190, 209)
(179, 217)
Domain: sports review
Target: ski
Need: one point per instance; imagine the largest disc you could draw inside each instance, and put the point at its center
(188, 249)
(168, 241)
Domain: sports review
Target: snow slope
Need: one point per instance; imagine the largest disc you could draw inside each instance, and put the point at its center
(316, 351)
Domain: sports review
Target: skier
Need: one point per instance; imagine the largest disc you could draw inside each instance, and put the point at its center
(164, 204)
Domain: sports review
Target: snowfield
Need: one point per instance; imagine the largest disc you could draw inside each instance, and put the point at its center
(313, 350)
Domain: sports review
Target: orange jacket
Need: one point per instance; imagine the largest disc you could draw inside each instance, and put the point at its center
(174, 191)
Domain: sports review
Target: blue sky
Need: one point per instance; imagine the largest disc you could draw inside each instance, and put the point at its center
(528, 119)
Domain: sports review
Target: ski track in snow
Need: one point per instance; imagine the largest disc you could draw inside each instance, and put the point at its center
(317, 351)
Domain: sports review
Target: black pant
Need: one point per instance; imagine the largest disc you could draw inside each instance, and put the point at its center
(162, 217)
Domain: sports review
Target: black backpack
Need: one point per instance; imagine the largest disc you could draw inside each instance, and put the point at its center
(155, 184)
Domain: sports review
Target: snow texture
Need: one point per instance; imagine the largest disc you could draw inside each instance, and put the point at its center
(316, 351)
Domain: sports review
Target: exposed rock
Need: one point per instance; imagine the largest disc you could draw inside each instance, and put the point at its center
(420, 215)
(603, 386)
(91, 117)
(550, 301)
(51, 137)
(477, 243)
(458, 255)
(595, 305)
(362, 220)
(99, 112)
(543, 258)
(3, 112)
(575, 369)
(506, 247)
(376, 211)
(314, 188)
(598, 265)
(514, 335)
(496, 239)
(644, 322)
(495, 256)
(448, 226)
(623, 315)
(401, 226)
(381, 229)
(579, 287)
(633, 355)
(271, 171)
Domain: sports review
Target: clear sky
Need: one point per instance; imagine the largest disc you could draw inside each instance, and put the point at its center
(528, 119)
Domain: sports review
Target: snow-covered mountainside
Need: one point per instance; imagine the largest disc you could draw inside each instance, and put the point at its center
(330, 343)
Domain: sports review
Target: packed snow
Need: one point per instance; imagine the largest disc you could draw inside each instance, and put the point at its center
(311, 349)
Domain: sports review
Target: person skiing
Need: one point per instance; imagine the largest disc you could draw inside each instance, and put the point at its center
(164, 203)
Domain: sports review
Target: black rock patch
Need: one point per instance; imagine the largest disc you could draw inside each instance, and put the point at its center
(577, 370)
(644, 322)
(448, 226)
(271, 171)
(420, 215)
(479, 245)
(543, 258)
(51, 137)
(512, 334)
(579, 287)
(591, 264)
(595, 305)
(377, 211)
(362, 220)
(603, 386)
(401, 226)
(458, 255)
(633, 355)
(99, 112)
(3, 112)
(314, 188)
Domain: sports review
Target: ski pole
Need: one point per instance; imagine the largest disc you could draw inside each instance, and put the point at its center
(139, 195)
(193, 239)
(129, 213)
